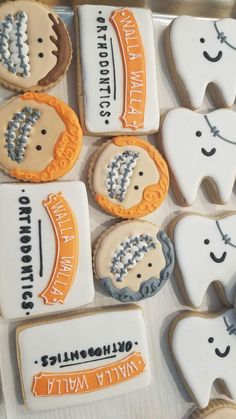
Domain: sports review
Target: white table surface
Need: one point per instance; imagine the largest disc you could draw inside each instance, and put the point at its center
(165, 398)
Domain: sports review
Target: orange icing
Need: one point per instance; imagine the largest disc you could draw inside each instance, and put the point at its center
(153, 195)
(61, 384)
(133, 57)
(65, 229)
(67, 147)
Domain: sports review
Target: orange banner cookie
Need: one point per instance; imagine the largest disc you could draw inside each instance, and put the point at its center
(56, 384)
(65, 229)
(134, 67)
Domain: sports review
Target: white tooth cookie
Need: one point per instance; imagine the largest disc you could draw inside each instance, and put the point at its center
(206, 55)
(205, 249)
(204, 349)
(201, 147)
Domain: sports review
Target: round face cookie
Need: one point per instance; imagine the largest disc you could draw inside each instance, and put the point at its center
(128, 177)
(133, 260)
(35, 48)
(216, 409)
(40, 137)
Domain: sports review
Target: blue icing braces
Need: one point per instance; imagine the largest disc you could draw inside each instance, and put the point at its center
(14, 48)
(18, 131)
(119, 173)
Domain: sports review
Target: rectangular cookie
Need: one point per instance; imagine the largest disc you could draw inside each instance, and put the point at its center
(84, 358)
(45, 228)
(117, 73)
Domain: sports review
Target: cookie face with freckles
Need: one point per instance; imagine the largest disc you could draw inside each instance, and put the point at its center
(133, 260)
(35, 49)
(40, 139)
(128, 177)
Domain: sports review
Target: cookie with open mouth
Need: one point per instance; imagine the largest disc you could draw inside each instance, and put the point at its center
(133, 260)
(40, 137)
(35, 47)
(128, 177)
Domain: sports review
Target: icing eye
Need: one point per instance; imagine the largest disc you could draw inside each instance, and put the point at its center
(198, 133)
(211, 340)
(40, 40)
(140, 173)
(139, 275)
(41, 55)
(136, 187)
(150, 265)
(202, 40)
(206, 241)
(43, 131)
(38, 147)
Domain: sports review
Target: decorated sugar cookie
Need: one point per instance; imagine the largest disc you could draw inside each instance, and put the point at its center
(40, 137)
(205, 56)
(204, 349)
(216, 409)
(128, 177)
(200, 147)
(47, 226)
(205, 249)
(133, 260)
(35, 48)
(120, 94)
(68, 365)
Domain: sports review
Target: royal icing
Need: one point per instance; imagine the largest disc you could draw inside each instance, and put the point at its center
(133, 260)
(204, 348)
(210, 47)
(205, 250)
(199, 146)
(121, 93)
(68, 365)
(50, 235)
(32, 57)
(129, 177)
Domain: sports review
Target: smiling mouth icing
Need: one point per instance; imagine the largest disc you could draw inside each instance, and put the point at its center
(18, 132)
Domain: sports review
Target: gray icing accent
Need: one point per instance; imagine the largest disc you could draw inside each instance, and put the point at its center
(222, 37)
(225, 237)
(216, 132)
(18, 131)
(149, 287)
(230, 327)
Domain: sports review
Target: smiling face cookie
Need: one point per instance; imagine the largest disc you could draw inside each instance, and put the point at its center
(128, 177)
(133, 260)
(204, 349)
(199, 146)
(40, 138)
(210, 47)
(205, 250)
(35, 48)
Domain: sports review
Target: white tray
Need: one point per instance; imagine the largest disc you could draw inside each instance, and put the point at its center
(166, 397)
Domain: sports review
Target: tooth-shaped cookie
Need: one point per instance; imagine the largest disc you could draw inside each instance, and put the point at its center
(205, 250)
(204, 349)
(199, 146)
(206, 55)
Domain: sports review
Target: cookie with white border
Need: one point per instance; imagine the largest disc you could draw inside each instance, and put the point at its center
(133, 260)
(35, 47)
(45, 261)
(117, 74)
(128, 177)
(216, 409)
(40, 137)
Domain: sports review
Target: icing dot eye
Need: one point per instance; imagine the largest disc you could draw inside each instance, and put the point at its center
(41, 55)
(136, 187)
(140, 173)
(198, 133)
(150, 265)
(40, 40)
(139, 275)
(38, 147)
(206, 241)
(202, 40)
(43, 131)
(211, 340)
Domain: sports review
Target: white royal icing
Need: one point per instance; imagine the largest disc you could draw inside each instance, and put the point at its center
(23, 215)
(207, 54)
(100, 338)
(201, 146)
(205, 350)
(205, 249)
(96, 100)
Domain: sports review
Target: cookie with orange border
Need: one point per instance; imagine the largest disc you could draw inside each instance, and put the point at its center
(128, 177)
(216, 409)
(40, 137)
(35, 47)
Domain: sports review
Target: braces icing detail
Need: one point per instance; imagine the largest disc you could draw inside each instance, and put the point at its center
(129, 253)
(119, 173)
(222, 37)
(216, 132)
(13, 44)
(225, 237)
(18, 131)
